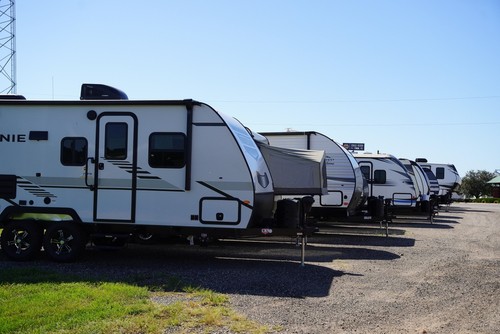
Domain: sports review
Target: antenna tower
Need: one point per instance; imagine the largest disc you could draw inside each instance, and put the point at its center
(7, 47)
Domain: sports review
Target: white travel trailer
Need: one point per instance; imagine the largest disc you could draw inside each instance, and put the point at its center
(347, 189)
(422, 184)
(420, 180)
(109, 167)
(447, 177)
(389, 178)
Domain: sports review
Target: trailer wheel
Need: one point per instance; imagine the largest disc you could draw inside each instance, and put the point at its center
(64, 241)
(145, 238)
(21, 240)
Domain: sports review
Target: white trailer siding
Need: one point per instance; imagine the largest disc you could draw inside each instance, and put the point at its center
(222, 181)
(418, 177)
(422, 179)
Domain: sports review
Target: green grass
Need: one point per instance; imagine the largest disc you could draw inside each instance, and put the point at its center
(35, 301)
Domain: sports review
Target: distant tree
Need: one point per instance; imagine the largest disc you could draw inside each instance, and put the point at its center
(474, 183)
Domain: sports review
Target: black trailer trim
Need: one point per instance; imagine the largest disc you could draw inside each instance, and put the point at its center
(93, 103)
(133, 166)
(224, 194)
(219, 222)
(189, 145)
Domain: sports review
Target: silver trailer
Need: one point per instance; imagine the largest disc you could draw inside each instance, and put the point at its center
(347, 189)
(447, 177)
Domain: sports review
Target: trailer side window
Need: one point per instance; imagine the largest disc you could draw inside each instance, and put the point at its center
(440, 173)
(379, 176)
(74, 151)
(116, 141)
(167, 150)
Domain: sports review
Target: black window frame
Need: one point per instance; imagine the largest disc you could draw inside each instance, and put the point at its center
(379, 176)
(440, 173)
(366, 170)
(74, 162)
(177, 163)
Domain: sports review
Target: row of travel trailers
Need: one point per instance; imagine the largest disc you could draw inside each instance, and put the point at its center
(354, 179)
(108, 169)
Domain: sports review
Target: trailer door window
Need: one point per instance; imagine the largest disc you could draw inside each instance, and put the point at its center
(440, 173)
(366, 172)
(74, 151)
(379, 176)
(116, 141)
(167, 150)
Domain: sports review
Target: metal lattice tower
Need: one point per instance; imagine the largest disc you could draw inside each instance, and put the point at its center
(7, 47)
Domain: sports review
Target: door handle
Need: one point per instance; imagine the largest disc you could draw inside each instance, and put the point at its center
(91, 186)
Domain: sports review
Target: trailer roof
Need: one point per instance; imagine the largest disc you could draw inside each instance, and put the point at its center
(97, 102)
(289, 133)
(373, 155)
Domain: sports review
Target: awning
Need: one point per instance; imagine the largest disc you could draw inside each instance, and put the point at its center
(296, 172)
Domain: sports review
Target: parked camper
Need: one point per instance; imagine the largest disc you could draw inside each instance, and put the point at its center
(347, 189)
(389, 178)
(425, 200)
(447, 177)
(433, 182)
(109, 167)
(418, 177)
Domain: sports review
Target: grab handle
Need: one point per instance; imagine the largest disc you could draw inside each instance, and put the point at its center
(91, 186)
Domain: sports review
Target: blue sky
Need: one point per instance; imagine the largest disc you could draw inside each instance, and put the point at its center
(410, 78)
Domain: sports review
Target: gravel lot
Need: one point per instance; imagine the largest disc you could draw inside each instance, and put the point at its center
(423, 278)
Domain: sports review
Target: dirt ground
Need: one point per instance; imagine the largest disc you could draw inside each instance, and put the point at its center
(439, 278)
(424, 278)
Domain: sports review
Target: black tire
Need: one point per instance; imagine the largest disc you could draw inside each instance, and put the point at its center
(21, 240)
(64, 241)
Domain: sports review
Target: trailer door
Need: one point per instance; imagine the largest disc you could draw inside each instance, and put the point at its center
(366, 168)
(115, 167)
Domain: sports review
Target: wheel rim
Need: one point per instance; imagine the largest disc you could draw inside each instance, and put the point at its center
(145, 236)
(61, 242)
(20, 242)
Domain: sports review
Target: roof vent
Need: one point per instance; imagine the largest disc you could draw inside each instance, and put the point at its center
(420, 160)
(101, 92)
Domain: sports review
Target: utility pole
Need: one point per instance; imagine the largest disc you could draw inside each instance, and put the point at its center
(8, 83)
